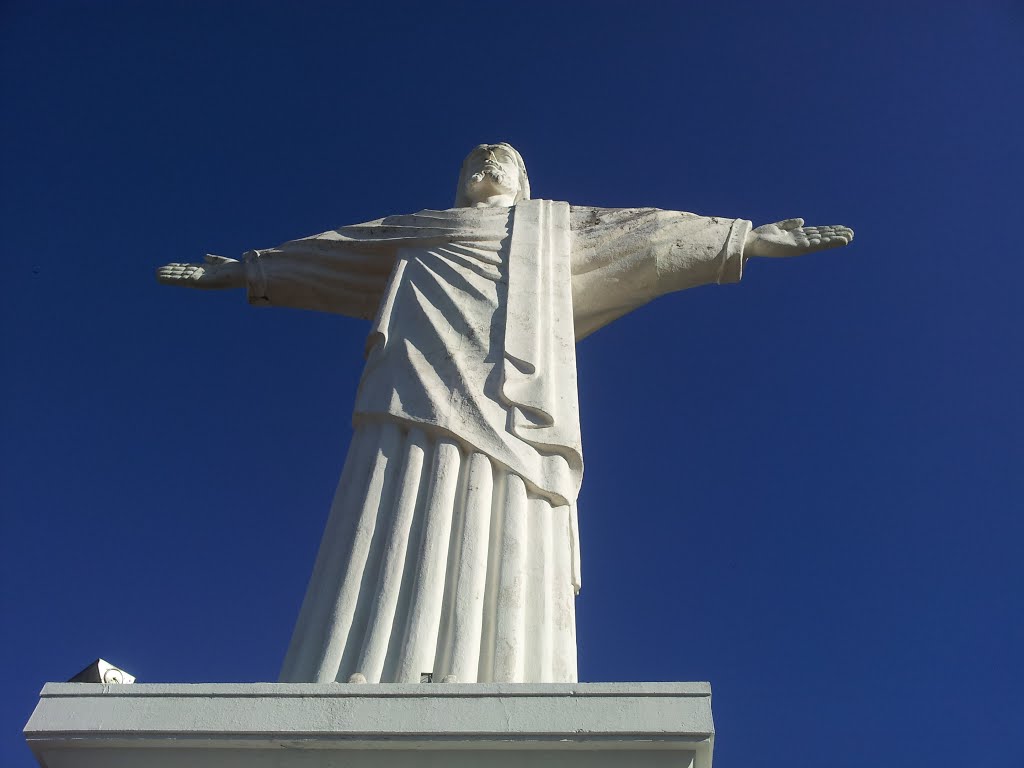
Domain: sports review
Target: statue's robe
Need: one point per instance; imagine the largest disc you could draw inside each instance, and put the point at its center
(452, 545)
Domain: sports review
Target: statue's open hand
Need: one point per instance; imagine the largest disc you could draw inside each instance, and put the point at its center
(214, 272)
(792, 238)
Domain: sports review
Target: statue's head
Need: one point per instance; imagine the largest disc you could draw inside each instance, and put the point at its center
(492, 175)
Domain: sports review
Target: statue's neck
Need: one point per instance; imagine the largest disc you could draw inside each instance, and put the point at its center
(496, 201)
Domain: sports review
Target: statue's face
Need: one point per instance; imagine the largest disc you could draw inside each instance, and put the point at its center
(491, 172)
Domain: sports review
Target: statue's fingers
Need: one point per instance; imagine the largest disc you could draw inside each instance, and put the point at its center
(165, 275)
(834, 236)
(835, 241)
(177, 272)
(838, 229)
(790, 224)
(828, 236)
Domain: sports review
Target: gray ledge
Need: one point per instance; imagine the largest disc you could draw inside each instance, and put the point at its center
(285, 724)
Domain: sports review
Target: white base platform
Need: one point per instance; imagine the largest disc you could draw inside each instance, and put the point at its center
(281, 725)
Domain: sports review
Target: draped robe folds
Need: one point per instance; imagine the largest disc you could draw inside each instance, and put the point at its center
(451, 546)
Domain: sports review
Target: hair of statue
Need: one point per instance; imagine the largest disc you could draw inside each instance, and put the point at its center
(462, 199)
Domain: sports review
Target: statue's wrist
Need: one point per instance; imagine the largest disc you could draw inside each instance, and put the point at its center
(750, 244)
(254, 278)
(236, 275)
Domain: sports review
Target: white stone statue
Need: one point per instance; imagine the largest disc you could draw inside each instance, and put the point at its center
(451, 547)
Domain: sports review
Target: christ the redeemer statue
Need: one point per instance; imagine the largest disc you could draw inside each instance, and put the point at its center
(451, 546)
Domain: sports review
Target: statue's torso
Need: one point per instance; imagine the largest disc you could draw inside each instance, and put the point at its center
(437, 354)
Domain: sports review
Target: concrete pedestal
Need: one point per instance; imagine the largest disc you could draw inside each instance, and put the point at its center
(279, 725)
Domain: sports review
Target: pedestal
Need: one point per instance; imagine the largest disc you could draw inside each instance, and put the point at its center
(641, 725)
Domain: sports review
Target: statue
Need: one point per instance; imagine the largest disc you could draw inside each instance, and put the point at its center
(451, 546)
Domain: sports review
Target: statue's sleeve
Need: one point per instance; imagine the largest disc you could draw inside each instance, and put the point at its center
(624, 257)
(330, 272)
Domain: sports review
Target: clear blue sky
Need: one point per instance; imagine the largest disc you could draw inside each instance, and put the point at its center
(806, 488)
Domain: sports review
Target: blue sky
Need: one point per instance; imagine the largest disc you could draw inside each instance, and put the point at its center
(806, 488)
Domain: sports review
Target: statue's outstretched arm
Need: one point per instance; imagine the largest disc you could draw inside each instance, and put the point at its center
(792, 238)
(214, 272)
